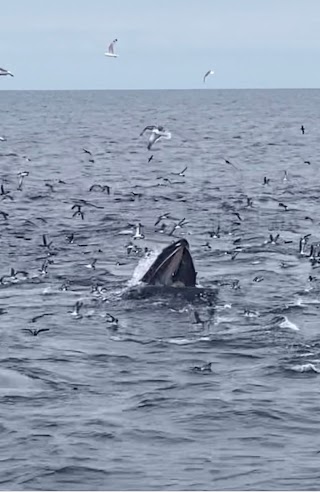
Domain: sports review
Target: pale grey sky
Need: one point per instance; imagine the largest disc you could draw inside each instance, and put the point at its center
(162, 45)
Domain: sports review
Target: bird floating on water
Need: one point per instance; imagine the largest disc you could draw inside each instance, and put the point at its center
(110, 53)
(209, 72)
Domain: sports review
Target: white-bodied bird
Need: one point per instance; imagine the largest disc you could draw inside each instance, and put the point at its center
(157, 132)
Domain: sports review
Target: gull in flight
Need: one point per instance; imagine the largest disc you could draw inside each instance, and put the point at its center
(209, 72)
(3, 71)
(157, 132)
(110, 51)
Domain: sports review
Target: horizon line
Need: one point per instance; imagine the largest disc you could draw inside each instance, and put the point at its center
(181, 89)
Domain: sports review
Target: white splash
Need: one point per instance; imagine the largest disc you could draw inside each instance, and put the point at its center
(142, 267)
(306, 368)
(288, 324)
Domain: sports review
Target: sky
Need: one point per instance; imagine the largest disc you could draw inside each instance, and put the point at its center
(168, 44)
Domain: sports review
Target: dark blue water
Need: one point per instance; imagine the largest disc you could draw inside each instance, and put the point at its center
(90, 405)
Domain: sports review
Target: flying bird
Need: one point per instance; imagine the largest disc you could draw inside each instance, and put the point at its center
(209, 72)
(3, 71)
(157, 132)
(110, 51)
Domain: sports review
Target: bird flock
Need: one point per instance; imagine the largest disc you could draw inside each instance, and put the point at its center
(165, 224)
(110, 53)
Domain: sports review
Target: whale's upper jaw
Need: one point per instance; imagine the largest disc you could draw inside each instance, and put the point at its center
(173, 267)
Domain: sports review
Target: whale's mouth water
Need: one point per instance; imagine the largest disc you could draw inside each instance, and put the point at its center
(173, 267)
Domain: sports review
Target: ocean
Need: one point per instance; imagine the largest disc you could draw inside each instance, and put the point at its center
(94, 404)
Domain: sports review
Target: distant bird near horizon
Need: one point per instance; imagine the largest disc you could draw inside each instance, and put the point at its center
(209, 72)
(3, 71)
(110, 52)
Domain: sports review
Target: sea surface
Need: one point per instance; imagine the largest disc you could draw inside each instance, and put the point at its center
(96, 404)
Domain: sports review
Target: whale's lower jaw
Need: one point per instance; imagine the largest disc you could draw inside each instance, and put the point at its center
(144, 291)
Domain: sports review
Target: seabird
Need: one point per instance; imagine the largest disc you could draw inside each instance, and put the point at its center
(78, 212)
(180, 224)
(113, 321)
(209, 72)
(36, 318)
(302, 129)
(206, 368)
(80, 202)
(238, 215)
(307, 162)
(258, 279)
(273, 240)
(230, 163)
(181, 173)
(49, 185)
(207, 245)
(4, 215)
(249, 202)
(5, 194)
(98, 187)
(21, 176)
(70, 238)
(92, 265)
(35, 332)
(150, 158)
(45, 243)
(110, 52)
(285, 207)
(86, 151)
(157, 132)
(215, 234)
(3, 71)
(139, 234)
(44, 267)
(76, 310)
(162, 217)
(302, 243)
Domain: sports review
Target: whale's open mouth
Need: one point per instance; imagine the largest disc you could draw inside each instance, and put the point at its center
(173, 267)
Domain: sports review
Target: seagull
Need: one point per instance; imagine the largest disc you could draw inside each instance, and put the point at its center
(209, 72)
(162, 217)
(21, 176)
(181, 173)
(110, 51)
(139, 234)
(3, 71)
(157, 132)
(179, 225)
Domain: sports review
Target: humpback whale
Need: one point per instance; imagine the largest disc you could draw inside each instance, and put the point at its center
(172, 274)
(173, 267)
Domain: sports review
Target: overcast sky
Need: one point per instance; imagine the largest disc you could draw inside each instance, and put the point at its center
(167, 44)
